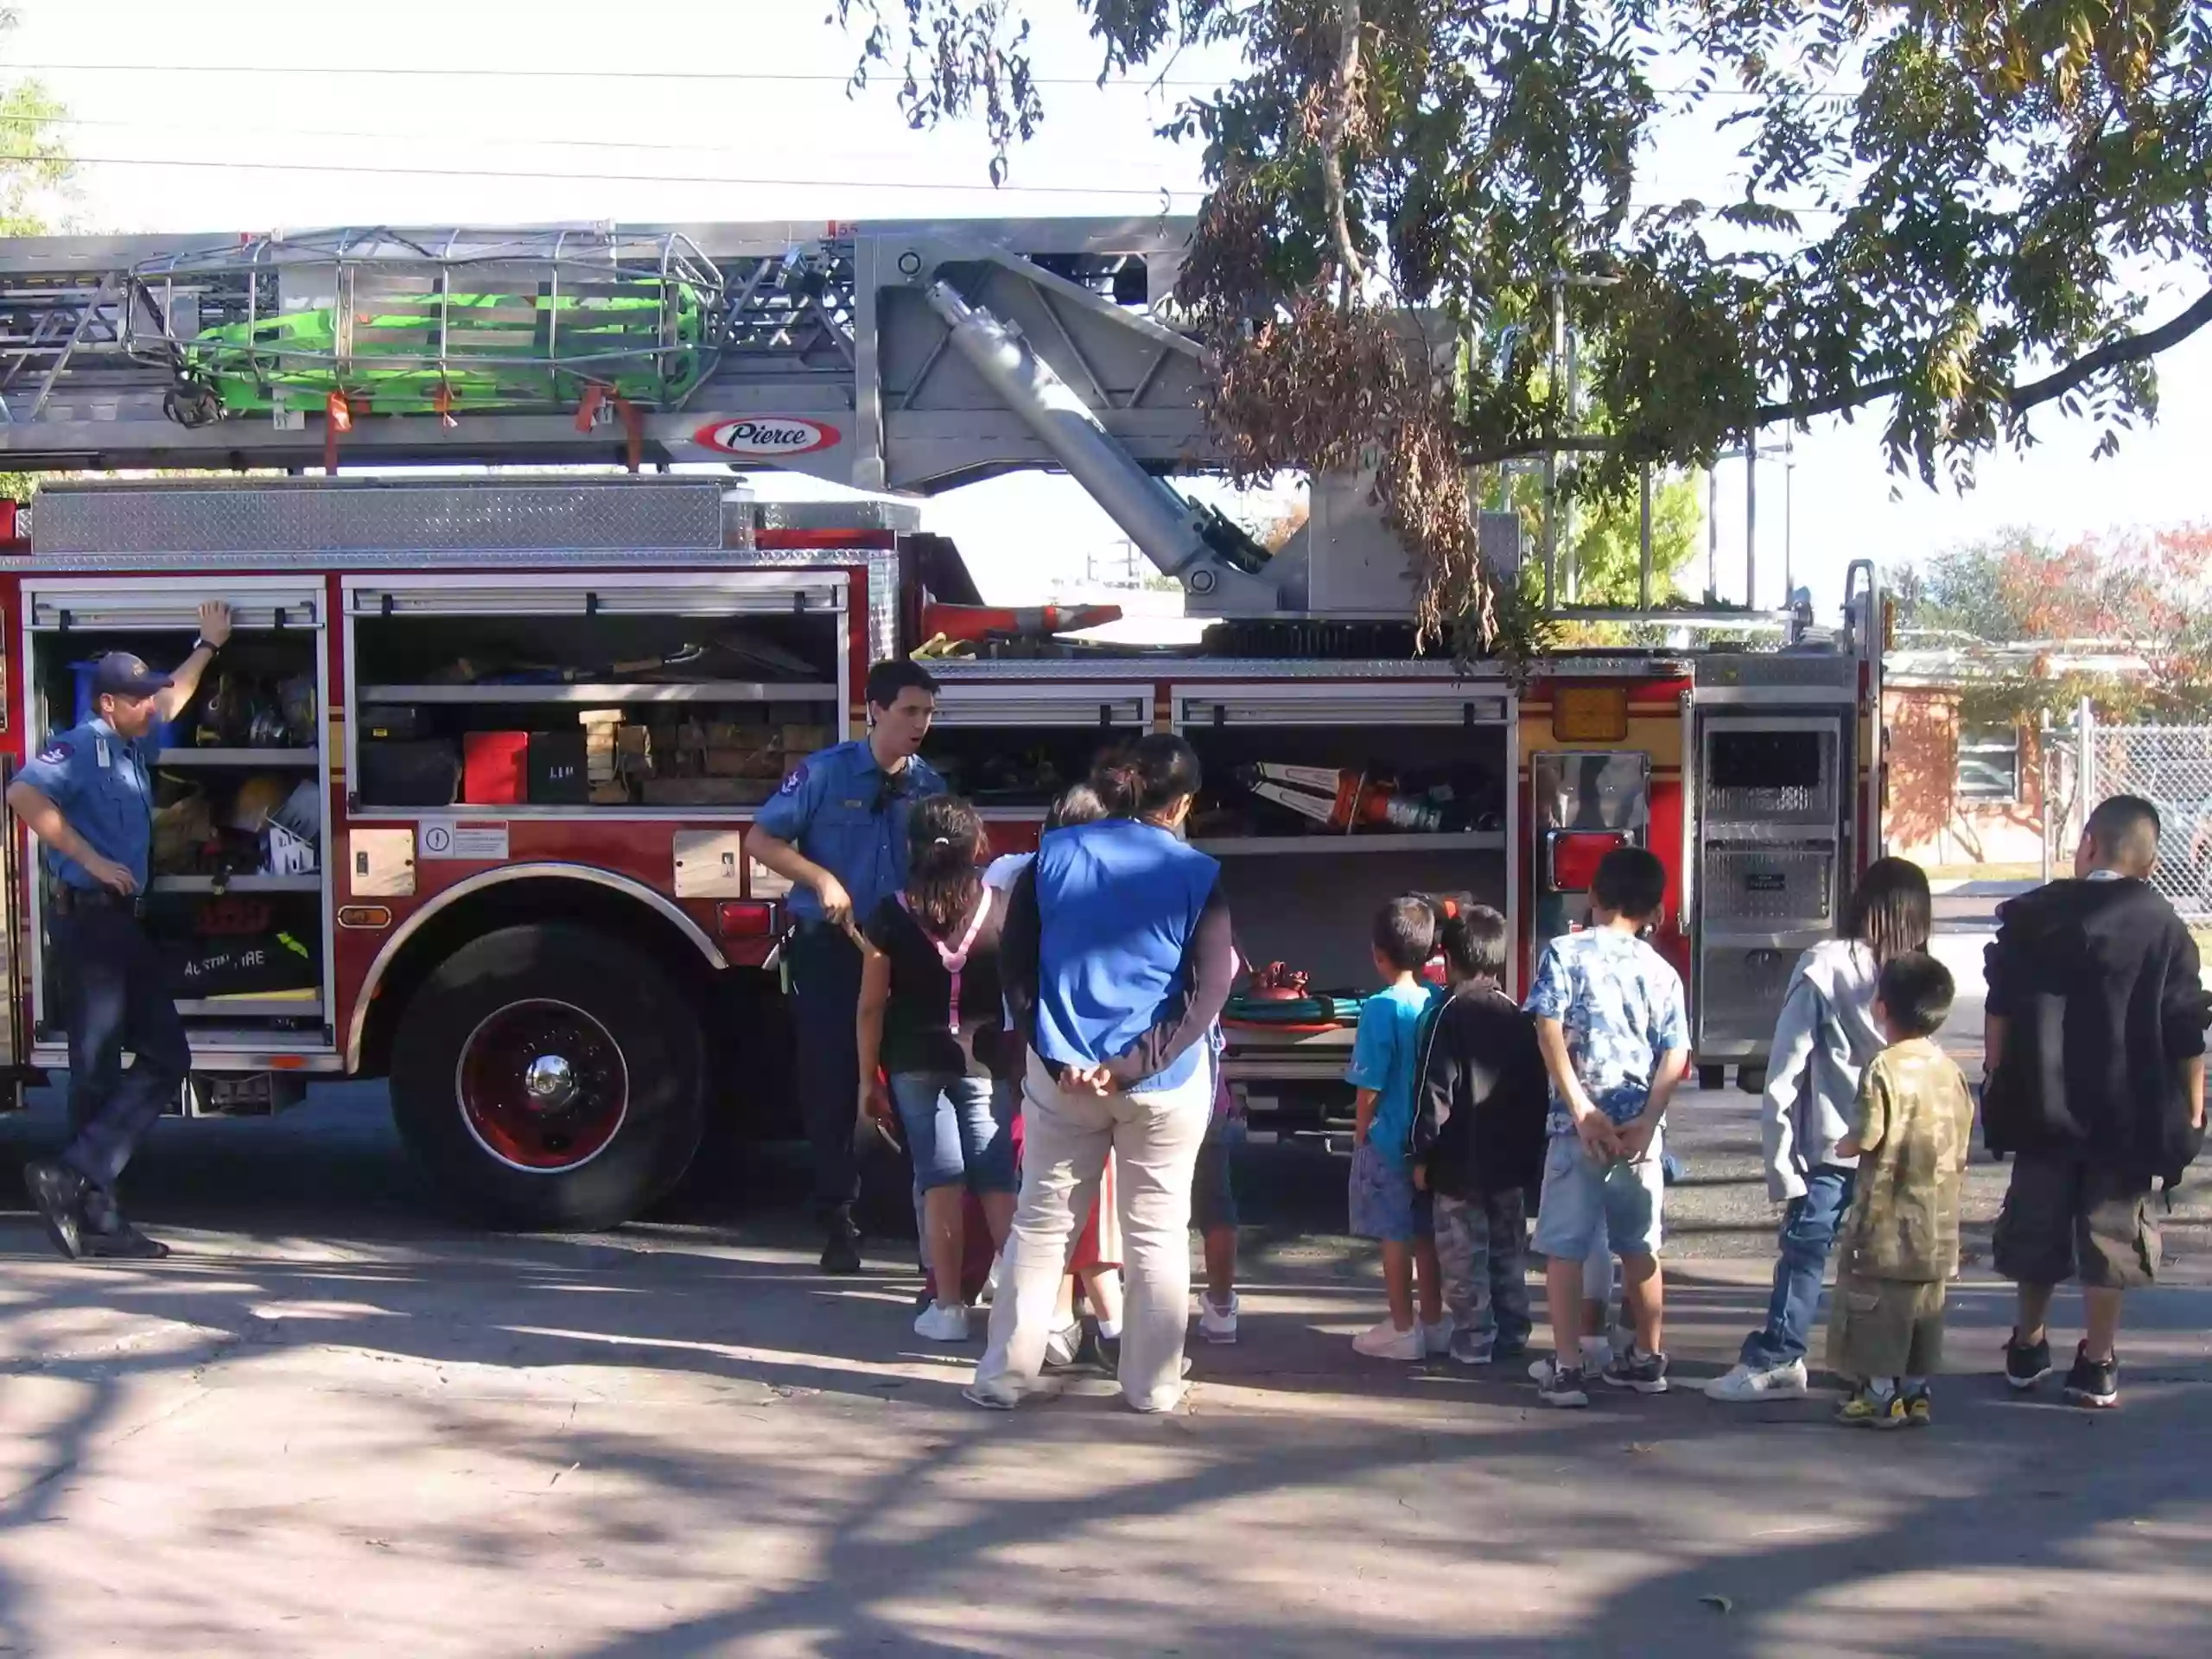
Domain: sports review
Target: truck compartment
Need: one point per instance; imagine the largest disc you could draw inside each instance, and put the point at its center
(236, 900)
(566, 697)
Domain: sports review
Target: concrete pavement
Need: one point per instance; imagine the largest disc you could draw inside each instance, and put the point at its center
(333, 1424)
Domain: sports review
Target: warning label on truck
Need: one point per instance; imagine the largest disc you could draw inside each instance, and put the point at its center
(451, 838)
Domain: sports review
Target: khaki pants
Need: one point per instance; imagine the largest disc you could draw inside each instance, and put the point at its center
(1154, 1140)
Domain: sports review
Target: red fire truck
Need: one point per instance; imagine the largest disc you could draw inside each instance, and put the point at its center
(464, 807)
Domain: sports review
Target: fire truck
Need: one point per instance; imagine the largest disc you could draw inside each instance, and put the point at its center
(464, 805)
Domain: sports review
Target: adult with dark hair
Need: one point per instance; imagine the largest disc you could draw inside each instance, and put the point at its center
(88, 795)
(1117, 958)
(2094, 1067)
(836, 831)
(929, 987)
(1824, 1039)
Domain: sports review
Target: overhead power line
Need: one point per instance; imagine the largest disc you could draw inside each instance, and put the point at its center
(569, 176)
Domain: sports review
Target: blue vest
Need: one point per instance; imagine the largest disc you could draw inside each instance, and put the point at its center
(1118, 903)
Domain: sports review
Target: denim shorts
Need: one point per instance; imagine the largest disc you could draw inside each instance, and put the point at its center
(1385, 1204)
(1213, 1196)
(1582, 1197)
(954, 1132)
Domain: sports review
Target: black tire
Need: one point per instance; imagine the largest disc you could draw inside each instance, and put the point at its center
(1751, 1079)
(1711, 1077)
(625, 1038)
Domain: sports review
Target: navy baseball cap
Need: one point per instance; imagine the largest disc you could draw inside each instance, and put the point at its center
(118, 674)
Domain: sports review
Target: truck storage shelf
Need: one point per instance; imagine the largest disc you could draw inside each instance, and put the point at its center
(698, 691)
(1477, 841)
(251, 1007)
(238, 883)
(1770, 833)
(307, 757)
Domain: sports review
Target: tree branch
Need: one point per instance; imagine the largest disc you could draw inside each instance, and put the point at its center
(1336, 122)
(2131, 348)
(2115, 353)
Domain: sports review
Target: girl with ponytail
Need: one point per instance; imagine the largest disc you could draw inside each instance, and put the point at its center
(929, 982)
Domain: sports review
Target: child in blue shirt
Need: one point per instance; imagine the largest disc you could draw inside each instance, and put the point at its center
(1609, 1020)
(1385, 1205)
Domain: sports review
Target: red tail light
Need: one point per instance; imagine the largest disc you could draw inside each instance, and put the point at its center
(1575, 856)
(745, 918)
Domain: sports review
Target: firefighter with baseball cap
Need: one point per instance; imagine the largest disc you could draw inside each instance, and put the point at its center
(88, 798)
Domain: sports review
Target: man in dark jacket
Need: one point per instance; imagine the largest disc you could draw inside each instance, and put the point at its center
(2095, 1081)
(1480, 1102)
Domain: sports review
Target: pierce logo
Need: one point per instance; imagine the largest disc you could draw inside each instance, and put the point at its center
(766, 436)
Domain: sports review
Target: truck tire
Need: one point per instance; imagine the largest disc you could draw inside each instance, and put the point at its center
(550, 1077)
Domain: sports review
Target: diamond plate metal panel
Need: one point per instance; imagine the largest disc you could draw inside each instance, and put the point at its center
(872, 514)
(331, 518)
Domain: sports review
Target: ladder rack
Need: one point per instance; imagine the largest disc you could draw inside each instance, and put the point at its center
(809, 347)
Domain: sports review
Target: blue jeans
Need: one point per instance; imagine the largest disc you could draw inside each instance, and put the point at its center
(953, 1132)
(116, 995)
(1809, 1230)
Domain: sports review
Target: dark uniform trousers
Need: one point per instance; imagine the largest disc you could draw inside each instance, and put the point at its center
(825, 999)
(116, 997)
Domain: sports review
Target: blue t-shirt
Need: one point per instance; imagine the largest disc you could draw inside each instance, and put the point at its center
(845, 813)
(103, 784)
(1620, 1004)
(1383, 1054)
(1118, 903)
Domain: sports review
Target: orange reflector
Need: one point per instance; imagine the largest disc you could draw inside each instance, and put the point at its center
(741, 919)
(1590, 714)
(288, 1062)
(363, 916)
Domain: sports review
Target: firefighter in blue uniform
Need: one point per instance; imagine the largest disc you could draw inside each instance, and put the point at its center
(838, 831)
(88, 797)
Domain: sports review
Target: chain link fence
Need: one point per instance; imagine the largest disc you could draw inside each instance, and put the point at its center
(2171, 766)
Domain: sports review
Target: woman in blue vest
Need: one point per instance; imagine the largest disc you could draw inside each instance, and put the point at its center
(1116, 959)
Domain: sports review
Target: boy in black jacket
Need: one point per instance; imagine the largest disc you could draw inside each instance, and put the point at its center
(2095, 1081)
(1479, 1106)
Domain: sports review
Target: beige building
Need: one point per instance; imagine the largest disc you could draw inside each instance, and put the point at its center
(1963, 794)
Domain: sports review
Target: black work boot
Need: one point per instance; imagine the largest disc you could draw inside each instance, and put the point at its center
(112, 1238)
(840, 1248)
(58, 1195)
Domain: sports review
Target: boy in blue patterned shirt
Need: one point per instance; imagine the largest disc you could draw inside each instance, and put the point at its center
(1609, 1021)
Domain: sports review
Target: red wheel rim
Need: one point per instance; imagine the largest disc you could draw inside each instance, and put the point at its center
(541, 1086)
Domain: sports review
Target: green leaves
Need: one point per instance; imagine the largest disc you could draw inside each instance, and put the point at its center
(1948, 207)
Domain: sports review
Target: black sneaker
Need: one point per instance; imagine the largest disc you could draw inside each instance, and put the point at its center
(2026, 1363)
(1566, 1389)
(58, 1195)
(121, 1243)
(1646, 1373)
(2093, 1383)
(841, 1252)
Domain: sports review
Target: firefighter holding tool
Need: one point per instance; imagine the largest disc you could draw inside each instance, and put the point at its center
(837, 830)
(88, 798)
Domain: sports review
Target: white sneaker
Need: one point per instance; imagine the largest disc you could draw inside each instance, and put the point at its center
(1386, 1341)
(938, 1323)
(1437, 1339)
(1218, 1325)
(1064, 1344)
(1747, 1383)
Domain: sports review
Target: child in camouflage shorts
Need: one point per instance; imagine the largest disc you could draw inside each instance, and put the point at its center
(1478, 1132)
(1900, 1244)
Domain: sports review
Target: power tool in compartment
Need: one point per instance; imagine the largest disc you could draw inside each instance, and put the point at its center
(1340, 802)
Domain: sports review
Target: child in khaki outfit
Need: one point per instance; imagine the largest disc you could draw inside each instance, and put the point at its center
(1900, 1245)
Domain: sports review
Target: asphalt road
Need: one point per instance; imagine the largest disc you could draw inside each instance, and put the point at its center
(339, 1422)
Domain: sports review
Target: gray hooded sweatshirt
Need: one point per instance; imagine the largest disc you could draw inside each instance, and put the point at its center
(1822, 1040)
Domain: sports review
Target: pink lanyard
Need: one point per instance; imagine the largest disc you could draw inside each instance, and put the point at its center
(954, 961)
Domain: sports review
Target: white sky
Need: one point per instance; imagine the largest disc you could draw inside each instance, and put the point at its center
(594, 111)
